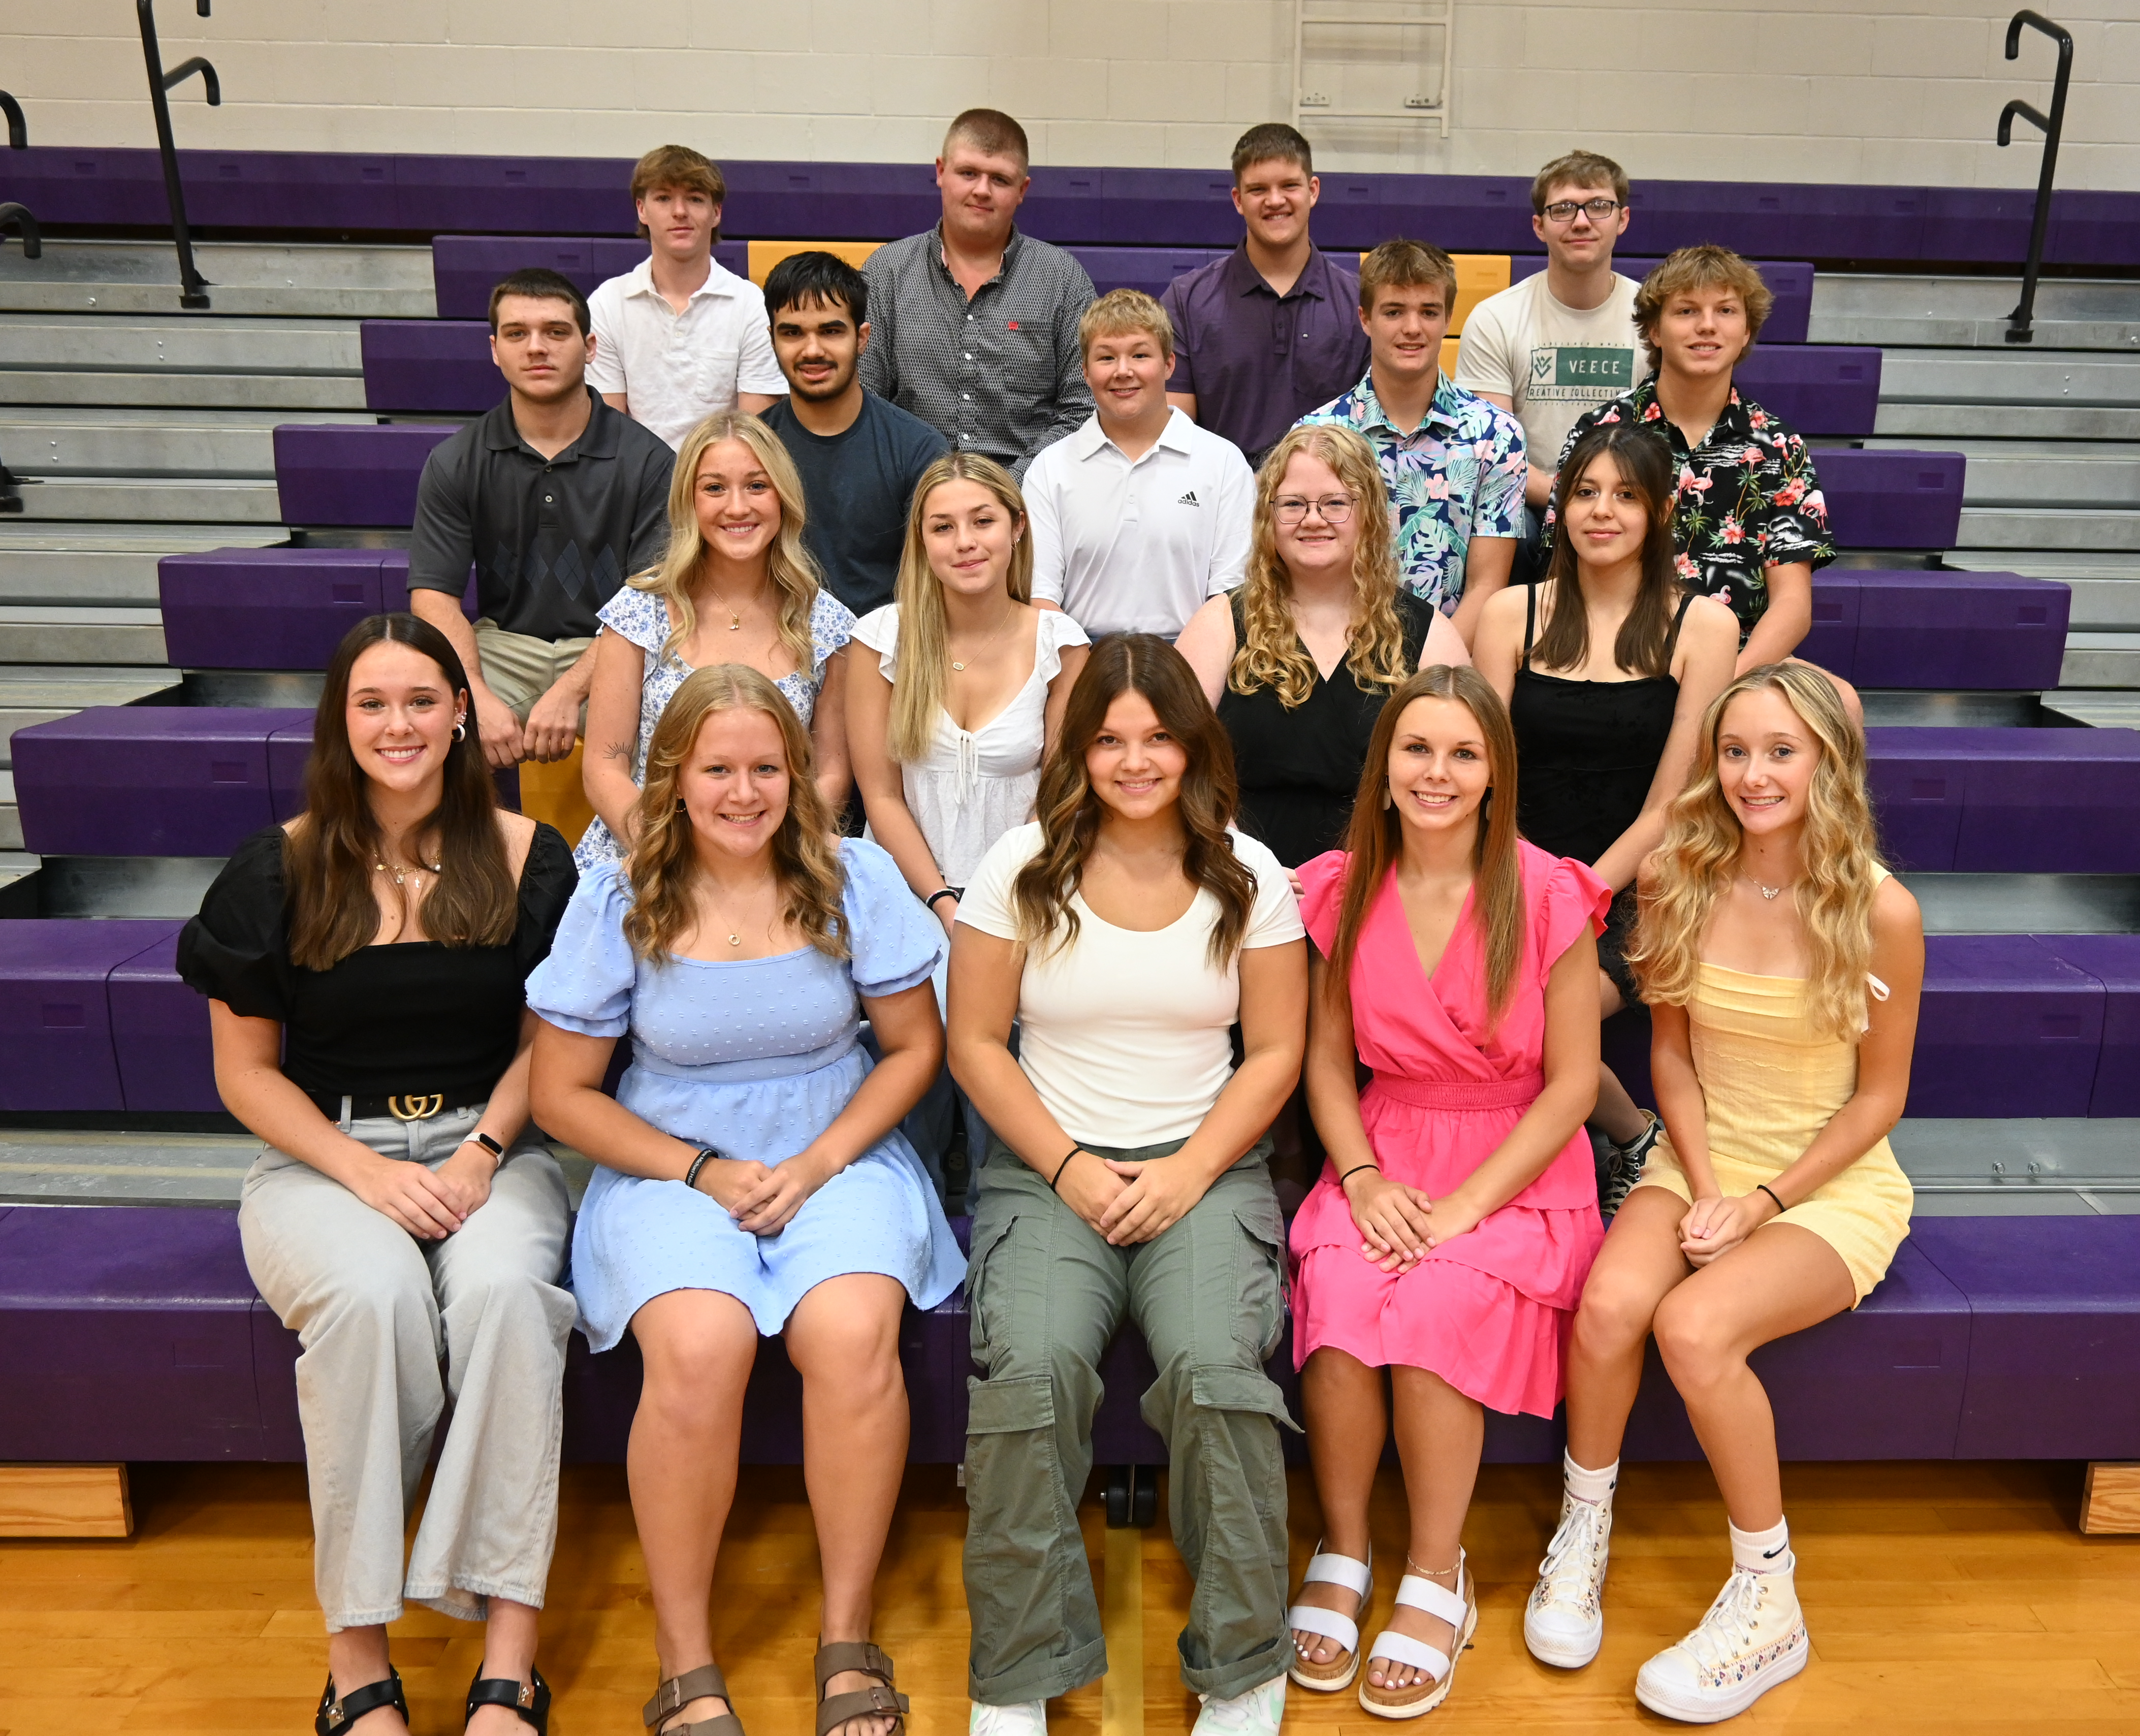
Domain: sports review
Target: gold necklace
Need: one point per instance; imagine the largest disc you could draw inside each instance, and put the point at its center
(421, 867)
(1771, 894)
(988, 644)
(735, 938)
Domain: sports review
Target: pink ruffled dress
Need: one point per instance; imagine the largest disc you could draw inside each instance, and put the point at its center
(1490, 1311)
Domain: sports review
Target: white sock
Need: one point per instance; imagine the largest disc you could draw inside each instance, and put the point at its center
(1763, 1551)
(1595, 1487)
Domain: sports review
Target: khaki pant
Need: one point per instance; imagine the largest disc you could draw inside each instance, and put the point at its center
(393, 1330)
(520, 669)
(1047, 1294)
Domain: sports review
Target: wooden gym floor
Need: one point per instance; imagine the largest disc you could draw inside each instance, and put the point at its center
(1942, 1598)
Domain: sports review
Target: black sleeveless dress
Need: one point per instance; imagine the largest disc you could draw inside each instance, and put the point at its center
(1588, 753)
(1298, 769)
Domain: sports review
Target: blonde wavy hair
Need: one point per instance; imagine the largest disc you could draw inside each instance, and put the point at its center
(787, 563)
(1699, 856)
(663, 868)
(1270, 653)
(925, 653)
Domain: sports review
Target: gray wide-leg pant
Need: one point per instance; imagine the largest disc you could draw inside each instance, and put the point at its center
(1048, 1294)
(393, 1328)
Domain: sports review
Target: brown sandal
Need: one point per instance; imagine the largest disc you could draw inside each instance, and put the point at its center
(880, 1700)
(706, 1682)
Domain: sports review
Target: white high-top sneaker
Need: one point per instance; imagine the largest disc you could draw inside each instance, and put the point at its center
(1029, 1718)
(1259, 1712)
(1564, 1621)
(1752, 1638)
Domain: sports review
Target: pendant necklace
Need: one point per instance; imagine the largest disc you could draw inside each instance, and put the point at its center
(399, 874)
(735, 939)
(987, 645)
(1769, 894)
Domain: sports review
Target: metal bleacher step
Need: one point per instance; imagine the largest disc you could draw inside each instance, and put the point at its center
(2083, 476)
(2099, 708)
(11, 818)
(117, 440)
(2101, 660)
(2029, 527)
(68, 634)
(139, 362)
(2026, 903)
(37, 694)
(2105, 583)
(287, 281)
(1950, 395)
(96, 564)
(250, 500)
(2071, 313)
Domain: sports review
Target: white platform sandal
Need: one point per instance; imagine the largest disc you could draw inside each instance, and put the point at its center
(1358, 1577)
(1414, 1591)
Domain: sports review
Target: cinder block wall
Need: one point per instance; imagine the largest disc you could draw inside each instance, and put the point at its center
(1760, 89)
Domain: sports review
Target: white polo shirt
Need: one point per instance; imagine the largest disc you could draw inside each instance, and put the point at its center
(1137, 547)
(677, 369)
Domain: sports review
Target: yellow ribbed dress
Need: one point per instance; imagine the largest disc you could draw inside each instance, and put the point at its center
(1772, 1081)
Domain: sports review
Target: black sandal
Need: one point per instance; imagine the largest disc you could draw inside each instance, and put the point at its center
(879, 1700)
(706, 1682)
(334, 1713)
(530, 1699)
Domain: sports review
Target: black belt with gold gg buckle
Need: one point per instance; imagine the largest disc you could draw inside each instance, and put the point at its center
(401, 1106)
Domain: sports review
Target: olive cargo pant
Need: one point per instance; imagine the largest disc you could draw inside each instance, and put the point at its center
(1047, 1294)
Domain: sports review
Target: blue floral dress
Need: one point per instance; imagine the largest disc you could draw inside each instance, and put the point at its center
(642, 616)
(756, 1057)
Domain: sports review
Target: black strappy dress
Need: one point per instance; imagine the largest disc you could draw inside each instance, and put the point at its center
(1586, 753)
(1299, 768)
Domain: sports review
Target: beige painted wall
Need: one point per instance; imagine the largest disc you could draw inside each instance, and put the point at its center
(1812, 90)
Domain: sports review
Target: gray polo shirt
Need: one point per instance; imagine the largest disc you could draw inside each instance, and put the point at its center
(551, 539)
(1001, 375)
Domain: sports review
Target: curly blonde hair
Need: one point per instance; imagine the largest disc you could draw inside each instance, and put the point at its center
(787, 563)
(1837, 851)
(1270, 653)
(664, 865)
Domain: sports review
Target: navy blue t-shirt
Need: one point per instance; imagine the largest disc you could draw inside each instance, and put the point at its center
(856, 487)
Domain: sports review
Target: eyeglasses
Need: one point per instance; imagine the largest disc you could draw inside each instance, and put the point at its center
(1289, 509)
(1563, 211)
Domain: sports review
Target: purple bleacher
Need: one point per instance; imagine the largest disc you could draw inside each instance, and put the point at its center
(1891, 499)
(160, 1033)
(336, 192)
(2113, 960)
(2029, 801)
(56, 1038)
(146, 780)
(2053, 1336)
(465, 268)
(267, 608)
(1976, 630)
(1818, 388)
(1831, 639)
(436, 366)
(1790, 282)
(339, 474)
(1150, 269)
(2006, 1027)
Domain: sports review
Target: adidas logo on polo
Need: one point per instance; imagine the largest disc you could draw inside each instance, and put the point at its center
(1188, 499)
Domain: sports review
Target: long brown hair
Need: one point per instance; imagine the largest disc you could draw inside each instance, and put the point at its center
(1069, 809)
(330, 855)
(924, 656)
(1270, 653)
(662, 867)
(788, 563)
(1838, 850)
(1645, 464)
(1375, 838)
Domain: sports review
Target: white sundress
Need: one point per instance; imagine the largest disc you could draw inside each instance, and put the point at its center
(976, 784)
(642, 616)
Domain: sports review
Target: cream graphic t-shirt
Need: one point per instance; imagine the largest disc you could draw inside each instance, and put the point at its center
(1552, 362)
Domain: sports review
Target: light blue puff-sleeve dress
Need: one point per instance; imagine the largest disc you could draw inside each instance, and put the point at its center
(756, 1057)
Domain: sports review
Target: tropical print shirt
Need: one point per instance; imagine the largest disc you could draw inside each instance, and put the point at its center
(1459, 474)
(1748, 500)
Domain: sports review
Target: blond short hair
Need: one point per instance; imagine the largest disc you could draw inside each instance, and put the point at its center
(1706, 267)
(1123, 310)
(1405, 264)
(990, 131)
(1578, 168)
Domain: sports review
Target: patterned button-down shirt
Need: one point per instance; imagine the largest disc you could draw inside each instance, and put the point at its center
(1001, 375)
(1748, 499)
(1459, 474)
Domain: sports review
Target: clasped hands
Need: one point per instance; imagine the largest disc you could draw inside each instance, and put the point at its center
(430, 1203)
(764, 1198)
(1716, 1224)
(1129, 1202)
(1398, 1224)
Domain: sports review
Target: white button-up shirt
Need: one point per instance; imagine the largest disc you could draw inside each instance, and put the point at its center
(1138, 547)
(677, 369)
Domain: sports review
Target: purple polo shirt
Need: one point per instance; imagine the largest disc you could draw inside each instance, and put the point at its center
(1258, 361)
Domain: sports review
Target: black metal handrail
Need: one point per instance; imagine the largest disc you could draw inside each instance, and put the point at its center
(2021, 327)
(14, 216)
(19, 129)
(193, 288)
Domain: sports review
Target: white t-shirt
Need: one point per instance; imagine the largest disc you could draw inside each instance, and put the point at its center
(1553, 362)
(678, 369)
(1138, 548)
(1126, 1034)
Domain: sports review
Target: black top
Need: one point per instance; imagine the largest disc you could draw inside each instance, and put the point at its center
(552, 539)
(856, 487)
(1587, 751)
(1299, 769)
(412, 1016)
